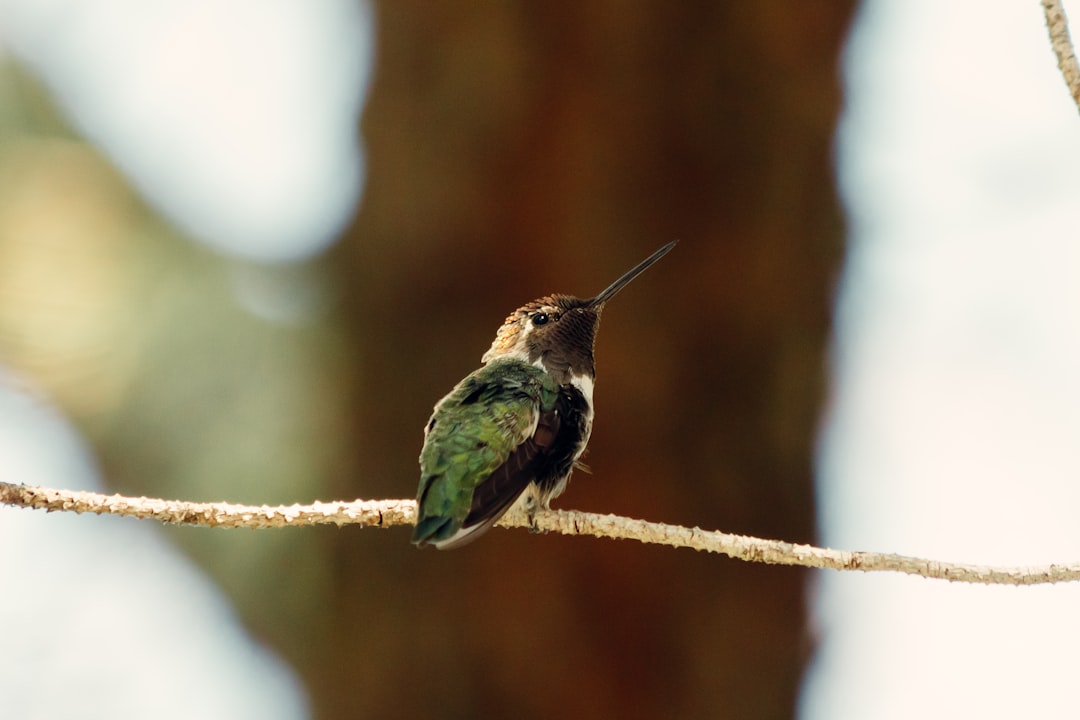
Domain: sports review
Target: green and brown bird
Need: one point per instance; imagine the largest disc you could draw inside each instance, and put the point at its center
(512, 431)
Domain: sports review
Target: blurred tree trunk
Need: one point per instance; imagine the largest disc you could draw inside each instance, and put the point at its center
(520, 149)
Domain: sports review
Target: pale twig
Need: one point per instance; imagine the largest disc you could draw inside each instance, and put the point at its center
(388, 513)
(1058, 26)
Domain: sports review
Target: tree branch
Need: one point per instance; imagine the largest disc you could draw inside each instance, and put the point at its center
(388, 513)
(1058, 26)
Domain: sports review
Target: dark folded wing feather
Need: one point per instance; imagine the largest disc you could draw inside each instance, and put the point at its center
(478, 451)
(495, 495)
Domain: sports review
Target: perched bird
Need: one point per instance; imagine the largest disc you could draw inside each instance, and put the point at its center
(515, 427)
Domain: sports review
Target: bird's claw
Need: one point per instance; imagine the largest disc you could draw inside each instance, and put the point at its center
(531, 506)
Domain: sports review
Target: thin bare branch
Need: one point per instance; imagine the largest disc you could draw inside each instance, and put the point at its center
(388, 513)
(1058, 26)
(365, 513)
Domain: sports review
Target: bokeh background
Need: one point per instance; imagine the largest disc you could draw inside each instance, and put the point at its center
(245, 246)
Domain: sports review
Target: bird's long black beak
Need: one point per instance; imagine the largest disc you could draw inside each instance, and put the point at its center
(622, 282)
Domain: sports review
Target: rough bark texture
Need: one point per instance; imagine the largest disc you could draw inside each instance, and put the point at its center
(521, 149)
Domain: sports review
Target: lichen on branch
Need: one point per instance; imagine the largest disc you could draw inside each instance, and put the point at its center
(391, 513)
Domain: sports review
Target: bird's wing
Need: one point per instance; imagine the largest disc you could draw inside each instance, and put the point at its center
(494, 496)
(480, 449)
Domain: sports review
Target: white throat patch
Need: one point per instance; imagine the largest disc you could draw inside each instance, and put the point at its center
(584, 383)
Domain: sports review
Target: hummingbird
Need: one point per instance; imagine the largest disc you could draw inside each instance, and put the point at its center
(512, 431)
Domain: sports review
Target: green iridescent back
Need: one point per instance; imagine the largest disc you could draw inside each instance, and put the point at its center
(472, 433)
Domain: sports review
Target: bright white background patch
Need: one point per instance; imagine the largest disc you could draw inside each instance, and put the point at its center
(106, 619)
(236, 118)
(239, 120)
(954, 425)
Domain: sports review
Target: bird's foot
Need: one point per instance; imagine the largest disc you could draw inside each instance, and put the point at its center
(532, 505)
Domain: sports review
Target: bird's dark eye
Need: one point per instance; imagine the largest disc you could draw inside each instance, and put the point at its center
(540, 319)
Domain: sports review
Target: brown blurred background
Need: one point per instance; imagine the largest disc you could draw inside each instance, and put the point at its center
(514, 150)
